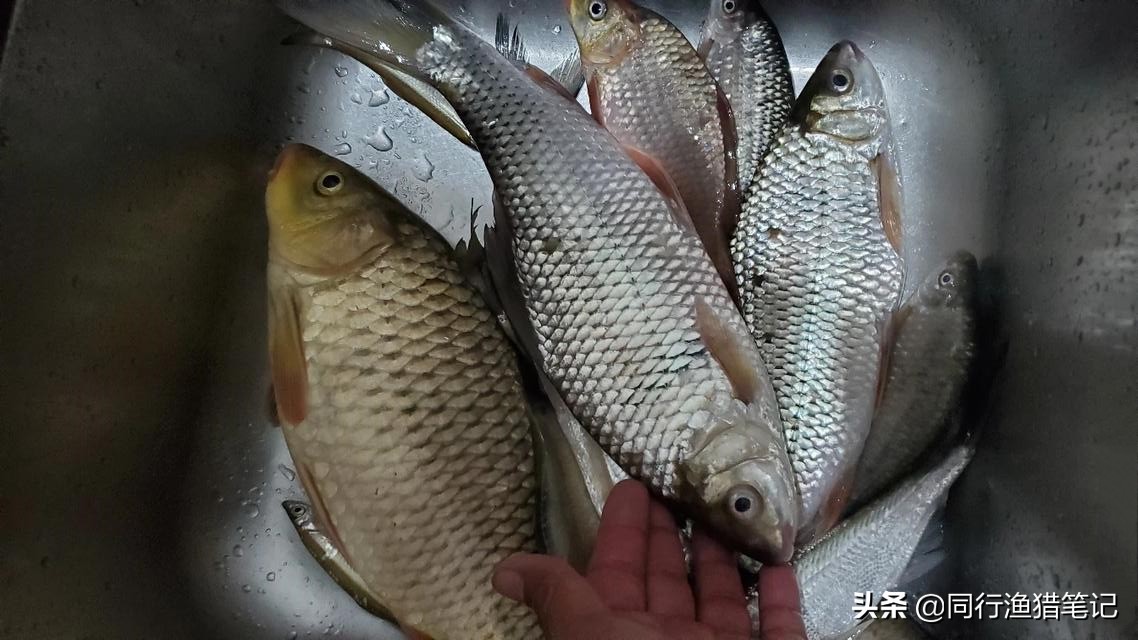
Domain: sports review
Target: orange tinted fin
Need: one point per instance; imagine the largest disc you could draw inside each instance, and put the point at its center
(891, 326)
(271, 407)
(595, 100)
(547, 81)
(286, 354)
(723, 345)
(414, 634)
(320, 512)
(888, 198)
(659, 176)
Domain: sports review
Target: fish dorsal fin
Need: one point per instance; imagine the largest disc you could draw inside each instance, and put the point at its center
(570, 74)
(659, 177)
(286, 350)
(508, 41)
(889, 198)
(736, 360)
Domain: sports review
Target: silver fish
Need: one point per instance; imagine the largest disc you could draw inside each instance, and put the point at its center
(621, 306)
(744, 52)
(817, 262)
(324, 550)
(870, 551)
(651, 90)
(933, 350)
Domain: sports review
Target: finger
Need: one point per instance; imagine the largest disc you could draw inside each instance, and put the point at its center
(616, 569)
(718, 588)
(548, 585)
(667, 588)
(780, 605)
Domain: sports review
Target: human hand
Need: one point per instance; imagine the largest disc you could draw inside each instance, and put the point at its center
(636, 586)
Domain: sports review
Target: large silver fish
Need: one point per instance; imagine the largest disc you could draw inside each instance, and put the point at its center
(744, 52)
(651, 90)
(933, 351)
(871, 550)
(816, 257)
(625, 312)
(400, 401)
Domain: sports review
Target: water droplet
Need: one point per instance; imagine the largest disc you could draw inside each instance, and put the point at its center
(270, 576)
(556, 28)
(356, 98)
(238, 551)
(292, 636)
(422, 168)
(303, 88)
(289, 474)
(246, 588)
(341, 71)
(252, 509)
(341, 149)
(379, 140)
(378, 97)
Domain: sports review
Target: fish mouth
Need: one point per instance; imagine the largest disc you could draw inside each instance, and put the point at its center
(284, 157)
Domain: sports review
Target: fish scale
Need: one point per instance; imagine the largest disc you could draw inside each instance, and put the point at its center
(432, 457)
(745, 54)
(817, 276)
(608, 283)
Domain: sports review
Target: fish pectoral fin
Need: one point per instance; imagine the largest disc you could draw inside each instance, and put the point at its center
(737, 360)
(286, 354)
(832, 509)
(667, 187)
(889, 198)
(570, 74)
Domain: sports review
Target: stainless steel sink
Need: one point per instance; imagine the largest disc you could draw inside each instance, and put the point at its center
(140, 479)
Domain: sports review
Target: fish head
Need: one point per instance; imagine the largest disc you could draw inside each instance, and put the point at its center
(746, 488)
(728, 19)
(324, 216)
(953, 284)
(845, 100)
(299, 513)
(606, 30)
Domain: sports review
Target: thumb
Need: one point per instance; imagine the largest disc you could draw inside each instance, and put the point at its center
(555, 591)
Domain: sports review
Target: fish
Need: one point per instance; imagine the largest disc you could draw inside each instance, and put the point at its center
(819, 269)
(324, 550)
(400, 401)
(889, 629)
(605, 283)
(871, 550)
(744, 52)
(929, 364)
(649, 87)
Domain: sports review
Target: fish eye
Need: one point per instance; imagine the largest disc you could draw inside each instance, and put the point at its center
(329, 182)
(729, 6)
(598, 9)
(744, 502)
(946, 279)
(841, 80)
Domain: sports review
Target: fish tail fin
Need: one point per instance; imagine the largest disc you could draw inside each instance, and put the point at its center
(395, 31)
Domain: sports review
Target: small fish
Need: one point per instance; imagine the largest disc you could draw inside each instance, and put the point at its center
(324, 550)
(400, 401)
(744, 53)
(818, 266)
(651, 90)
(871, 550)
(932, 354)
(607, 285)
